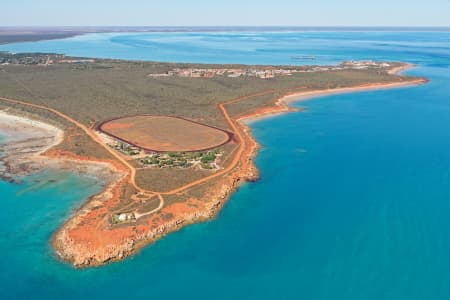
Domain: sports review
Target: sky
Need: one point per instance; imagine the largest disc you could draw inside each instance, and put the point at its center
(225, 13)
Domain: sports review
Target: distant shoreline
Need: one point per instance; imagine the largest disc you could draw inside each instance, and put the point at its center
(25, 37)
(20, 34)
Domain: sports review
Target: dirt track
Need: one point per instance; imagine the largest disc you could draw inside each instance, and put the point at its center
(165, 133)
(132, 175)
(238, 130)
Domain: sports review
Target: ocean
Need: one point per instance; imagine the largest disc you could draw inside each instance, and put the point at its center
(353, 201)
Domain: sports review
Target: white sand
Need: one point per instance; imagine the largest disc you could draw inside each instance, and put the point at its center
(16, 128)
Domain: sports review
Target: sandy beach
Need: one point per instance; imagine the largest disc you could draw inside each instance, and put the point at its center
(27, 141)
(16, 128)
(303, 96)
(282, 104)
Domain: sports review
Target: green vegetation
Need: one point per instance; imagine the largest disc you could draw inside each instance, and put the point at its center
(182, 160)
(94, 92)
(108, 89)
(115, 219)
(26, 59)
(208, 158)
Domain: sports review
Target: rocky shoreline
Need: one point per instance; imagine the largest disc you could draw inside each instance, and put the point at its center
(220, 194)
(26, 140)
(128, 242)
(88, 239)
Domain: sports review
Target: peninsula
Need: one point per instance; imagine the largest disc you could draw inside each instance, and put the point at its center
(169, 140)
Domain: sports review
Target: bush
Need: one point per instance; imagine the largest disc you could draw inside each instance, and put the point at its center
(208, 158)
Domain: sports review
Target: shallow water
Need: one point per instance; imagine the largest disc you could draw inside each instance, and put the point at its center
(353, 202)
(251, 48)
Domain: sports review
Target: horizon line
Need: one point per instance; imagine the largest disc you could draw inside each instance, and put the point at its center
(79, 29)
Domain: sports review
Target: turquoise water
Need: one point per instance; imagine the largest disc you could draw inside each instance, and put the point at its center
(250, 48)
(353, 202)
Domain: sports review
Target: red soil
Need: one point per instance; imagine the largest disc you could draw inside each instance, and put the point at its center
(89, 238)
(165, 134)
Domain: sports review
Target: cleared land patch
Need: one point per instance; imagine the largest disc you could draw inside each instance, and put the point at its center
(166, 133)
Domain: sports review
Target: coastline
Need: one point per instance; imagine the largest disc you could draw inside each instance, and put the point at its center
(26, 140)
(27, 149)
(99, 244)
(282, 104)
(27, 146)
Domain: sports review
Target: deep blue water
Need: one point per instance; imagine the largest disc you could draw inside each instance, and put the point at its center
(354, 200)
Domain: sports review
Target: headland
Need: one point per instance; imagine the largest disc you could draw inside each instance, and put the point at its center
(148, 193)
